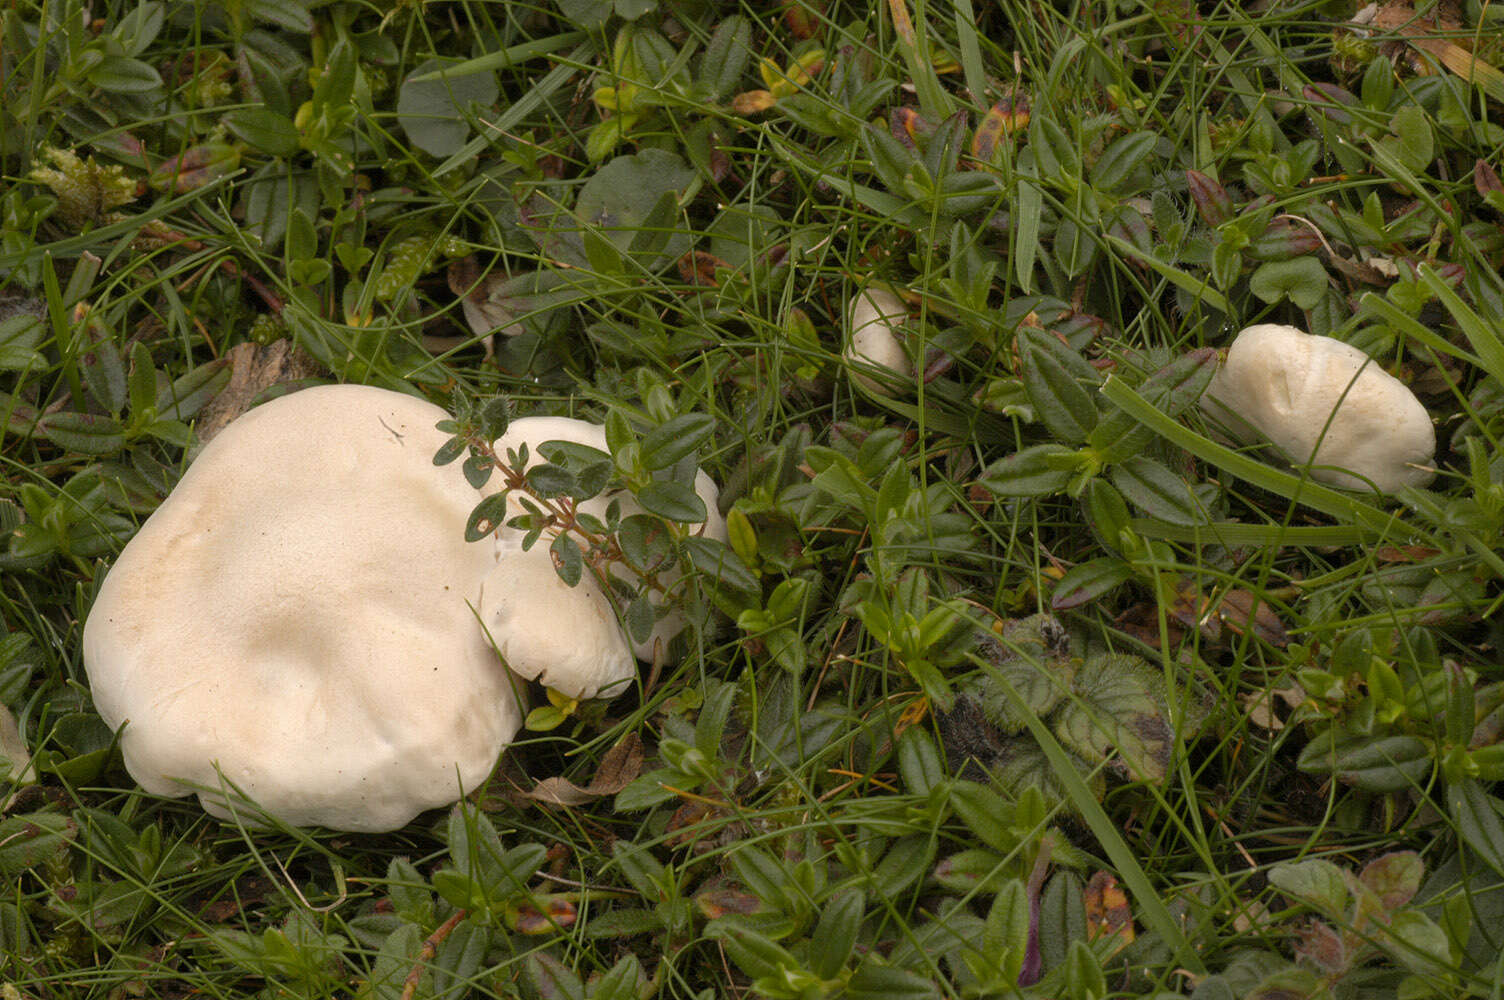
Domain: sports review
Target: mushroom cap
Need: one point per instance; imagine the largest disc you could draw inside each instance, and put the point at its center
(1325, 403)
(871, 340)
(534, 431)
(297, 617)
(581, 651)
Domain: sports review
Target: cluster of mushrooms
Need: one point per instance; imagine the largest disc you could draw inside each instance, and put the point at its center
(1323, 403)
(301, 624)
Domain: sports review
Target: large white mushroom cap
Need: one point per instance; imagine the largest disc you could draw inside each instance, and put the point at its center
(1325, 403)
(613, 669)
(297, 618)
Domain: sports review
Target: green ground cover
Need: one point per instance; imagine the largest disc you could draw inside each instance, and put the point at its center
(1013, 680)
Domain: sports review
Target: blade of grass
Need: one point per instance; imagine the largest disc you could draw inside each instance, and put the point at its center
(971, 52)
(933, 100)
(1377, 307)
(1484, 337)
(1199, 287)
(883, 204)
(505, 58)
(536, 95)
(1293, 488)
(1235, 534)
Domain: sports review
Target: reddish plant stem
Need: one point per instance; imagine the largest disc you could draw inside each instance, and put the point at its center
(428, 951)
(600, 550)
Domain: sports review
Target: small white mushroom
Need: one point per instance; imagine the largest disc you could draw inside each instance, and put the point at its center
(1323, 403)
(534, 431)
(297, 619)
(872, 340)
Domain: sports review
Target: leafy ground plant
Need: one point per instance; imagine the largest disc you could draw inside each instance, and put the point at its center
(1012, 679)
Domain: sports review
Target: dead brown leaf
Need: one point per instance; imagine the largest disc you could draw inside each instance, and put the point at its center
(1142, 622)
(753, 102)
(1240, 610)
(1260, 705)
(1193, 609)
(698, 268)
(254, 369)
(1107, 911)
(486, 311)
(619, 767)
(1436, 37)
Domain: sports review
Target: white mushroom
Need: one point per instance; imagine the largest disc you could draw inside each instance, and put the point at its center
(534, 431)
(579, 651)
(303, 620)
(871, 339)
(296, 620)
(1324, 403)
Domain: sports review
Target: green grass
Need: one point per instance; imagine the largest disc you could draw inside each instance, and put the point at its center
(1071, 198)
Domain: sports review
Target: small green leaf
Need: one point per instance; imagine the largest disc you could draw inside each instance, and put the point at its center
(890, 158)
(1085, 582)
(755, 954)
(1386, 764)
(192, 391)
(449, 451)
(835, 935)
(640, 618)
(1118, 711)
(1315, 881)
(84, 433)
(290, 15)
(493, 417)
(142, 380)
(726, 57)
(549, 480)
(32, 838)
(436, 113)
(672, 500)
(1106, 513)
(1476, 814)
(986, 813)
(675, 439)
(544, 718)
(268, 131)
(104, 372)
(477, 469)
(1116, 165)
(568, 561)
(1415, 146)
(1063, 404)
(716, 561)
(1157, 491)
(487, 516)
(1039, 471)
(123, 75)
(919, 763)
(302, 240)
(1302, 280)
